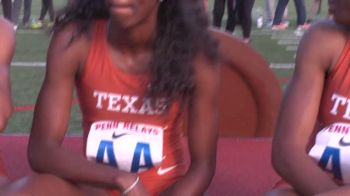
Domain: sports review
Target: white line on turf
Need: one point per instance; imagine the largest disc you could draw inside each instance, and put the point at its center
(288, 42)
(28, 64)
(284, 36)
(30, 32)
(42, 64)
(292, 48)
(282, 66)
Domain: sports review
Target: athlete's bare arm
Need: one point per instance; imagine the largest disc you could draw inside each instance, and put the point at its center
(203, 131)
(52, 114)
(318, 52)
(7, 47)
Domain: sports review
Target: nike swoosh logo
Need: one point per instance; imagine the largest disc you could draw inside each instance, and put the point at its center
(116, 136)
(342, 143)
(162, 171)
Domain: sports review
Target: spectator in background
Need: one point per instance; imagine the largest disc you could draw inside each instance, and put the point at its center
(16, 8)
(6, 9)
(46, 6)
(315, 10)
(301, 16)
(218, 13)
(243, 12)
(26, 13)
(270, 13)
(206, 2)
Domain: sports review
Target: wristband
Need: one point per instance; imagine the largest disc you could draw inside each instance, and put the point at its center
(126, 191)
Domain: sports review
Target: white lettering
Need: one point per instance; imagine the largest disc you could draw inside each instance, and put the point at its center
(129, 101)
(113, 102)
(100, 96)
(347, 111)
(338, 99)
(335, 128)
(146, 107)
(130, 104)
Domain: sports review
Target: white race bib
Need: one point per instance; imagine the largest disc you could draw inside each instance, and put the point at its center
(129, 146)
(332, 150)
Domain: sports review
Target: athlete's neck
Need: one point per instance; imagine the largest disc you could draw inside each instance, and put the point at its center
(140, 36)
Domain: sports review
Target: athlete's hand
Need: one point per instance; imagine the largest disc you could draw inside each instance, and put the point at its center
(138, 190)
(133, 187)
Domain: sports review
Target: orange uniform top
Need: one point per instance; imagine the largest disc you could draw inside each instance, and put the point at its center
(121, 126)
(331, 144)
(336, 98)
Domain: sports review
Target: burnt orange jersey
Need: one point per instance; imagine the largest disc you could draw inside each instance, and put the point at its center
(122, 127)
(335, 104)
(331, 145)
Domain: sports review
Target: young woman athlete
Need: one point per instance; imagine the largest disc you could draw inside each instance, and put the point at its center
(311, 145)
(27, 185)
(7, 48)
(142, 70)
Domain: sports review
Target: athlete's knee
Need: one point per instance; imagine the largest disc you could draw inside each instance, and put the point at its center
(48, 180)
(43, 184)
(5, 114)
(3, 122)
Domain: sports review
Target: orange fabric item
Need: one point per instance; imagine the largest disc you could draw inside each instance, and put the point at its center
(105, 92)
(335, 103)
(335, 108)
(333, 120)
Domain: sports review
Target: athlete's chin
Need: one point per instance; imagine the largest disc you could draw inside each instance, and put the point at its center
(125, 22)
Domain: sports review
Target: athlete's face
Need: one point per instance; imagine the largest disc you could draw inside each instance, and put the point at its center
(340, 10)
(128, 13)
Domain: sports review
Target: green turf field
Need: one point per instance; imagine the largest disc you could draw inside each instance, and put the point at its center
(27, 68)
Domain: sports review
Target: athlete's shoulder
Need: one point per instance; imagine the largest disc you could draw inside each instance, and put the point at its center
(7, 42)
(324, 36)
(70, 43)
(5, 25)
(326, 32)
(69, 47)
(72, 35)
(7, 32)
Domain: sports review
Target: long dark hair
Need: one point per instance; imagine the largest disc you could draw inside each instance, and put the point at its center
(182, 31)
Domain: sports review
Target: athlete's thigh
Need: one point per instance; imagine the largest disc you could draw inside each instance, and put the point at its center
(92, 191)
(43, 185)
(4, 181)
